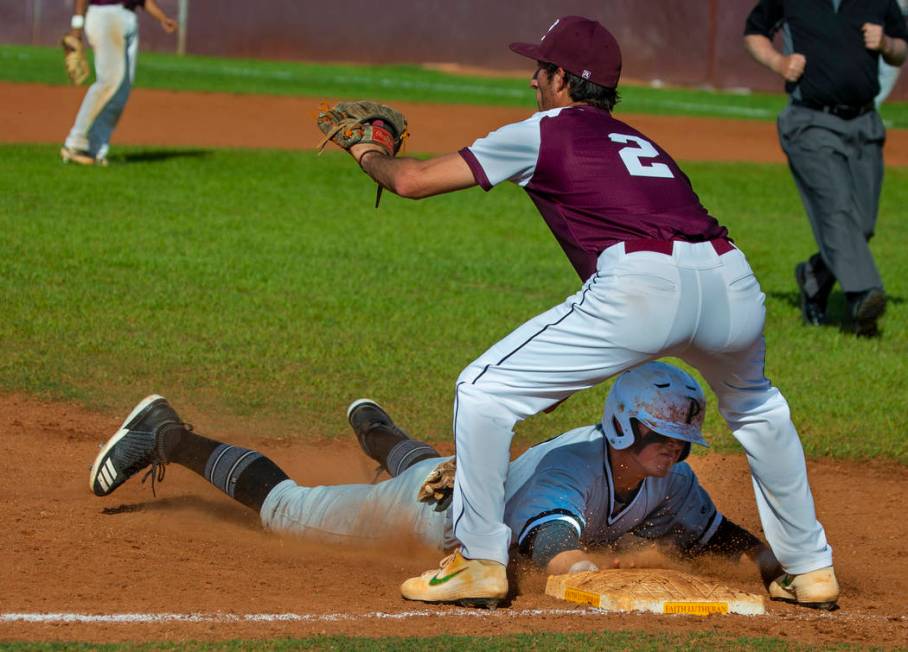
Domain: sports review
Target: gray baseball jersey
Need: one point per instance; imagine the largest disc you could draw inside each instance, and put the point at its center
(566, 478)
(570, 479)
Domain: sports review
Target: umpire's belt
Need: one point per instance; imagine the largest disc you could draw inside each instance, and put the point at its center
(721, 245)
(843, 111)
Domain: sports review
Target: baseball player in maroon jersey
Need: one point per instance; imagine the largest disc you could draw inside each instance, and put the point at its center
(660, 277)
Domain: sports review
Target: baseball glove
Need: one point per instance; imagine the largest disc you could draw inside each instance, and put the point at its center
(438, 487)
(349, 123)
(74, 59)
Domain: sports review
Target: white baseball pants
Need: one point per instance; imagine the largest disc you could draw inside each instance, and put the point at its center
(694, 304)
(113, 34)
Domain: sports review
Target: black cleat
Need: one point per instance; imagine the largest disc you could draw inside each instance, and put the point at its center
(382, 440)
(370, 422)
(137, 444)
(813, 309)
(865, 310)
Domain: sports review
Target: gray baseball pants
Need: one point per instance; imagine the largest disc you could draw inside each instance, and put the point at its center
(360, 513)
(838, 168)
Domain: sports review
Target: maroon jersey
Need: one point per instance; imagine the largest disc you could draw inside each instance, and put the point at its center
(595, 180)
(129, 4)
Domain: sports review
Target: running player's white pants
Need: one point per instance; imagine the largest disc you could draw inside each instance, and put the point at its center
(112, 32)
(694, 304)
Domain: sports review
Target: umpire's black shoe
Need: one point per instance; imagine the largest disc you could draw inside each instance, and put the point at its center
(139, 442)
(813, 309)
(864, 309)
(382, 440)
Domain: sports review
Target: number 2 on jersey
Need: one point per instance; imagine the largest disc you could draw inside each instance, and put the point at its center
(631, 156)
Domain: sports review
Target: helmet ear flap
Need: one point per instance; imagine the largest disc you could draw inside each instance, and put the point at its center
(684, 452)
(623, 437)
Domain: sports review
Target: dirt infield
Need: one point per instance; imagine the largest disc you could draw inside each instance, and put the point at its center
(192, 564)
(191, 550)
(31, 113)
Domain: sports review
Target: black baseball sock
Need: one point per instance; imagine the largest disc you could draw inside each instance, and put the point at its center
(244, 475)
(393, 449)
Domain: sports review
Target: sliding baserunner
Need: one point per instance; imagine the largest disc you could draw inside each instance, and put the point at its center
(573, 494)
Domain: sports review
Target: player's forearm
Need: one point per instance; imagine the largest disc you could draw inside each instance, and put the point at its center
(769, 566)
(894, 50)
(415, 178)
(555, 546)
(764, 52)
(154, 10)
(729, 540)
(78, 18)
(399, 175)
(732, 541)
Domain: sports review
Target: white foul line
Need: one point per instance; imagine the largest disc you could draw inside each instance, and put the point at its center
(132, 618)
(53, 618)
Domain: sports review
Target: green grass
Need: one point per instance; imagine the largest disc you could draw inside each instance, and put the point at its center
(260, 285)
(616, 640)
(390, 83)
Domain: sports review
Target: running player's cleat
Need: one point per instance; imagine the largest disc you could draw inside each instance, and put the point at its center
(138, 443)
(467, 582)
(80, 157)
(817, 589)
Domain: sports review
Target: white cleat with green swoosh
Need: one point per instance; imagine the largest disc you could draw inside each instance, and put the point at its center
(818, 589)
(468, 582)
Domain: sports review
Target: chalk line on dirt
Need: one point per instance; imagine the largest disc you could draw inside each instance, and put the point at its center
(53, 618)
(132, 618)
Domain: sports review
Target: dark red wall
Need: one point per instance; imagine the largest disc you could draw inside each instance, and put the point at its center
(686, 42)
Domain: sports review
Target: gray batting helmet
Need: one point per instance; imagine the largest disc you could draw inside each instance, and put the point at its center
(663, 397)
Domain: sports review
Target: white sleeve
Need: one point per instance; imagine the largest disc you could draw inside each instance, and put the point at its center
(507, 154)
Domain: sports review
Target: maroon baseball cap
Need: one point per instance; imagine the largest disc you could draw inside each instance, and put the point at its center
(579, 45)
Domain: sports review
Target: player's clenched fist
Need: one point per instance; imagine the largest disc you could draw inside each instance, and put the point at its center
(873, 36)
(791, 67)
